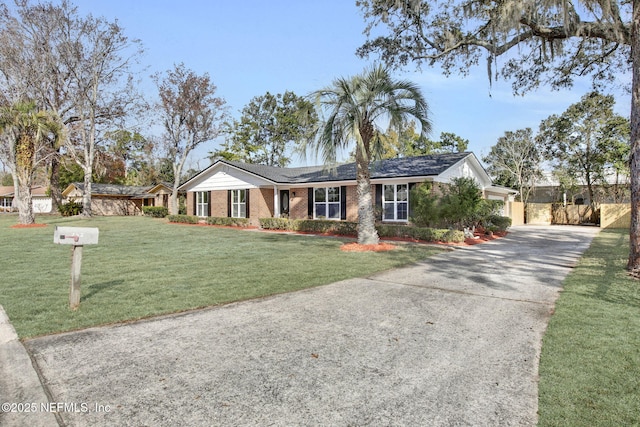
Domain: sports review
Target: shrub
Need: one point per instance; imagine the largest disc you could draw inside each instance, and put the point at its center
(497, 223)
(460, 206)
(343, 228)
(277, 224)
(70, 208)
(184, 219)
(155, 211)
(425, 206)
(421, 233)
(231, 222)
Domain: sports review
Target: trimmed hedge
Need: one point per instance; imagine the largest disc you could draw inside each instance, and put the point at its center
(278, 224)
(231, 222)
(184, 219)
(421, 233)
(351, 228)
(155, 211)
(342, 228)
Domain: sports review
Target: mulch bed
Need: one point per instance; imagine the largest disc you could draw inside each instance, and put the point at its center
(355, 247)
(28, 225)
(480, 238)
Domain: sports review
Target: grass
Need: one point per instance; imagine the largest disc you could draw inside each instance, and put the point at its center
(145, 267)
(590, 361)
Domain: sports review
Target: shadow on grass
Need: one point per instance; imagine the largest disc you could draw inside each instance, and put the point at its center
(100, 287)
(613, 285)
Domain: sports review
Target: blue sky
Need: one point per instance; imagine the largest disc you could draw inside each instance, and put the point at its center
(250, 47)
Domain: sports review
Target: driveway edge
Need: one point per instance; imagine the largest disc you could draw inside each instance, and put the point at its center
(20, 388)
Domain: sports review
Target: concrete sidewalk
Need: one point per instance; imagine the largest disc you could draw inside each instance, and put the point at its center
(454, 340)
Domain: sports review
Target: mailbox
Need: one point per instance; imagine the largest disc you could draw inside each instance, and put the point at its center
(77, 236)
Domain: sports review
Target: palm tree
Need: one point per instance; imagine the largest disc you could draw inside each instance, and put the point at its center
(30, 132)
(354, 109)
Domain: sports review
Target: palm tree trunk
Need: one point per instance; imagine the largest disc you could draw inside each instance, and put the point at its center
(367, 233)
(24, 199)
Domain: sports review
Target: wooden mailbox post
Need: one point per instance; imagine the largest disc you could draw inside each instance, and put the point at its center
(78, 237)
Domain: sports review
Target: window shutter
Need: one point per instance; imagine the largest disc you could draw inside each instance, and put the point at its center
(246, 201)
(310, 203)
(378, 200)
(209, 204)
(195, 203)
(343, 202)
(228, 203)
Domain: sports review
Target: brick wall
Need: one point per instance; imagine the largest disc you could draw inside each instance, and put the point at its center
(298, 207)
(190, 203)
(260, 204)
(219, 203)
(352, 202)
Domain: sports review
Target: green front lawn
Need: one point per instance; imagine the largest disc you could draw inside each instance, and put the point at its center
(590, 362)
(144, 267)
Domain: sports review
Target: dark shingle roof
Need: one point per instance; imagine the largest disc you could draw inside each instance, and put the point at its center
(115, 189)
(430, 165)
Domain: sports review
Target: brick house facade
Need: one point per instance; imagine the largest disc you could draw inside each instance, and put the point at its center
(228, 189)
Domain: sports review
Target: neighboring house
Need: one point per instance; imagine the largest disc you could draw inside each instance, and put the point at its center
(114, 199)
(235, 189)
(39, 199)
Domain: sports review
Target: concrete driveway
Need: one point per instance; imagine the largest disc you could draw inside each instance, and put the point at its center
(452, 341)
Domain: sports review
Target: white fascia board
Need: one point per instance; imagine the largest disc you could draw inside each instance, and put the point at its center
(223, 176)
(402, 180)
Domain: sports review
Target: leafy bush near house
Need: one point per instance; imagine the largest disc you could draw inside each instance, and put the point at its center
(155, 211)
(231, 222)
(183, 219)
(70, 208)
(460, 206)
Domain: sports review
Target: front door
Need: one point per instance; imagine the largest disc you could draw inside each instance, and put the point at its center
(284, 203)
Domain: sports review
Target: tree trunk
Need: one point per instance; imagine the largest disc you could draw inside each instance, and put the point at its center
(633, 264)
(24, 201)
(54, 182)
(174, 209)
(367, 233)
(86, 197)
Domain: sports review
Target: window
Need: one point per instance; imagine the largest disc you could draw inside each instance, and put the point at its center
(326, 203)
(238, 203)
(395, 202)
(202, 203)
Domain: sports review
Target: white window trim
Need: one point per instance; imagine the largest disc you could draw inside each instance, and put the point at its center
(326, 203)
(236, 206)
(395, 203)
(202, 207)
